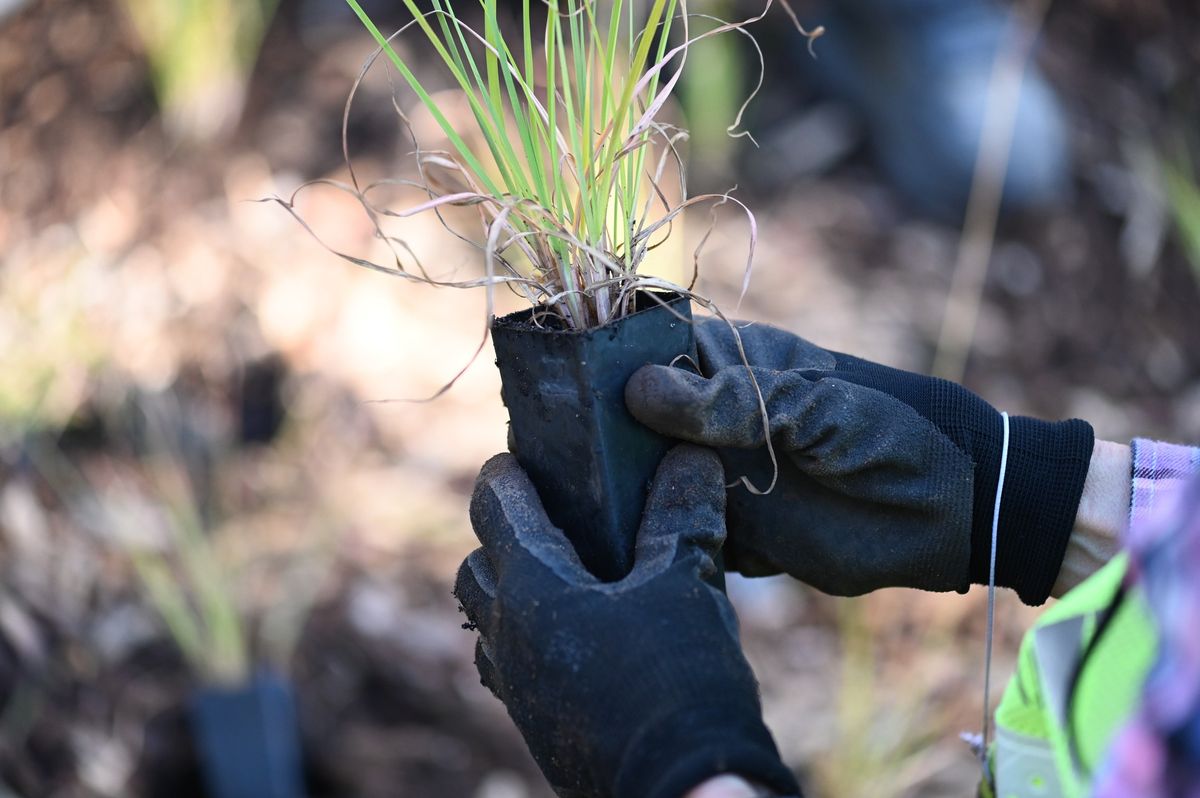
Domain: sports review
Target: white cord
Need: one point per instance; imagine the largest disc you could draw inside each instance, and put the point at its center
(991, 609)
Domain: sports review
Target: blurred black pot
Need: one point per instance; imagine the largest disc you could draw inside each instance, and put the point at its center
(248, 739)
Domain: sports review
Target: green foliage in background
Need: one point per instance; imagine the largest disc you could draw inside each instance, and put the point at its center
(712, 92)
(162, 535)
(197, 586)
(48, 340)
(201, 53)
(190, 592)
(228, 598)
(1183, 195)
(885, 736)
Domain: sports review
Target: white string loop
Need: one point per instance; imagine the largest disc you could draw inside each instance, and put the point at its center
(991, 608)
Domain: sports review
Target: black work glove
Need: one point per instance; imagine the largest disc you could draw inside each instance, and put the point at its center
(886, 478)
(629, 689)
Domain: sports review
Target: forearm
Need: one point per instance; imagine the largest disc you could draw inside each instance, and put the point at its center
(1101, 518)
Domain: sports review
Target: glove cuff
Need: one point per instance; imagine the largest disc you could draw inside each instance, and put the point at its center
(690, 747)
(1047, 466)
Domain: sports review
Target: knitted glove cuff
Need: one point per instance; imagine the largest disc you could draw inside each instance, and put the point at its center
(1047, 466)
(683, 751)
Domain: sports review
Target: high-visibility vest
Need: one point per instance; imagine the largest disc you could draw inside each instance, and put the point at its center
(1032, 755)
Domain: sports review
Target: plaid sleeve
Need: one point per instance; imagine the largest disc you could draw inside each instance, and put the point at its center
(1157, 754)
(1159, 471)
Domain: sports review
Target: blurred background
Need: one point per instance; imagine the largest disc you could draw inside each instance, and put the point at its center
(206, 462)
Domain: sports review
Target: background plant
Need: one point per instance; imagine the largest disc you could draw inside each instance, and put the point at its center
(1183, 196)
(200, 53)
(200, 578)
(711, 92)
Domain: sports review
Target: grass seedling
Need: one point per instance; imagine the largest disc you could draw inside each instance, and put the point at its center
(188, 589)
(176, 567)
(566, 154)
(563, 156)
(1183, 196)
(227, 609)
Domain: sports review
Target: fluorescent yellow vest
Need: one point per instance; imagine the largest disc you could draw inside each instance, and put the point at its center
(1031, 756)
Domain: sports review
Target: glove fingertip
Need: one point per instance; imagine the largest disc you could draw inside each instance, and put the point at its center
(498, 466)
(691, 464)
(503, 501)
(685, 513)
(511, 523)
(665, 399)
(475, 589)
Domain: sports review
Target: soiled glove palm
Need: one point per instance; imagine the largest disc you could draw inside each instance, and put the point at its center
(629, 689)
(887, 478)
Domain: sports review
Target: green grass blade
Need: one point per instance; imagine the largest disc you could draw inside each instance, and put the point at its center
(458, 47)
(229, 659)
(1183, 195)
(169, 601)
(469, 158)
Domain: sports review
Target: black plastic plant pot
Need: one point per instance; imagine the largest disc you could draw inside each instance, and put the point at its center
(590, 461)
(248, 739)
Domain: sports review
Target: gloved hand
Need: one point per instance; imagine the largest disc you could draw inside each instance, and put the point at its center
(886, 478)
(629, 689)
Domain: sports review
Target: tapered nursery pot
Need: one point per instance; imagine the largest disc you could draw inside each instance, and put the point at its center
(248, 739)
(590, 461)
